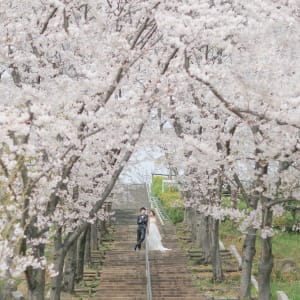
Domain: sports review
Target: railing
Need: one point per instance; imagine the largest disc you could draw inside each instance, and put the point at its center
(160, 212)
(148, 274)
(157, 206)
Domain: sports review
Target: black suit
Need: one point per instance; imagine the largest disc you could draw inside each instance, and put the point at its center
(142, 221)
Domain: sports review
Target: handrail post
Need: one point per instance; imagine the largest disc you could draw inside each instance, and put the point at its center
(148, 274)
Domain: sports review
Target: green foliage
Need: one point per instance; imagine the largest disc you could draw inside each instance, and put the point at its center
(172, 201)
(173, 204)
(241, 203)
(156, 188)
(176, 214)
(156, 185)
(286, 222)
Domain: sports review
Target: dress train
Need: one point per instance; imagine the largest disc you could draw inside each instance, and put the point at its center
(154, 237)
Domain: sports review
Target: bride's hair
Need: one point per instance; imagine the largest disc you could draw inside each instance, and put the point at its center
(153, 212)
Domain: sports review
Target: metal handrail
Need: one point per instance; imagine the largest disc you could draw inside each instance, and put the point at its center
(148, 274)
(163, 216)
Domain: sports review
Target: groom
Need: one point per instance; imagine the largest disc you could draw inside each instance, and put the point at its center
(142, 221)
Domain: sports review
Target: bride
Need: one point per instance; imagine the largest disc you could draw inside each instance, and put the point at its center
(154, 237)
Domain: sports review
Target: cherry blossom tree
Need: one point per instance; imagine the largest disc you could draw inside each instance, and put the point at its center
(60, 66)
(222, 47)
(79, 80)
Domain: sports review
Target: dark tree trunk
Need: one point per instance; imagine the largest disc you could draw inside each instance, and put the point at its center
(215, 252)
(203, 237)
(190, 221)
(193, 220)
(266, 260)
(265, 269)
(6, 290)
(36, 291)
(70, 269)
(186, 195)
(94, 236)
(188, 217)
(36, 277)
(233, 197)
(216, 260)
(87, 251)
(58, 261)
(249, 251)
(80, 256)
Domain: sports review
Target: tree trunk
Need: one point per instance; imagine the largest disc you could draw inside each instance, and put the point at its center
(58, 261)
(188, 217)
(36, 291)
(266, 260)
(193, 221)
(80, 256)
(70, 269)
(233, 197)
(203, 238)
(249, 251)
(36, 277)
(215, 249)
(94, 236)
(6, 290)
(265, 269)
(87, 251)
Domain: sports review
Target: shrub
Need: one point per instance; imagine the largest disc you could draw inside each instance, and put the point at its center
(156, 188)
(156, 185)
(176, 214)
(172, 201)
(286, 222)
(173, 204)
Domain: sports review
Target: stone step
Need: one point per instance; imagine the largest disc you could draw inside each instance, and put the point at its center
(122, 274)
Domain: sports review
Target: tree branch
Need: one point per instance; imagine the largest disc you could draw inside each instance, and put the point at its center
(279, 201)
(234, 109)
(164, 70)
(66, 21)
(215, 92)
(7, 175)
(48, 19)
(139, 33)
(113, 87)
(241, 187)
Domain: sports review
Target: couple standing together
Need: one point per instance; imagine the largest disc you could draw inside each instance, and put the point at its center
(148, 224)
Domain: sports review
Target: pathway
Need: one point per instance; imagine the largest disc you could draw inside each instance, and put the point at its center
(123, 273)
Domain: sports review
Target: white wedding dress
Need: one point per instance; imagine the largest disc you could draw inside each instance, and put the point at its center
(154, 237)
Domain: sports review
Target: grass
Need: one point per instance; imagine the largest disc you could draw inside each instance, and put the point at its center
(285, 245)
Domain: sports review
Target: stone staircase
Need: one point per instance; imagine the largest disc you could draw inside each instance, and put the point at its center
(170, 277)
(119, 273)
(123, 274)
